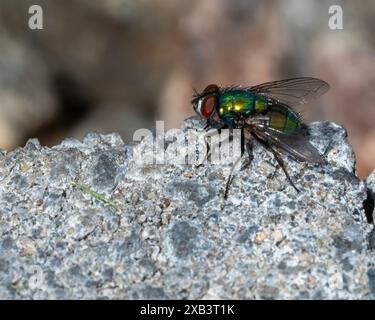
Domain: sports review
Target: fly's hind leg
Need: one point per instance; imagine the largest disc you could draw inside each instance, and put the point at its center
(278, 159)
(282, 165)
(230, 177)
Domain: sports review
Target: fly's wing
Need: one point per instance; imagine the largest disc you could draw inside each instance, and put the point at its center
(296, 145)
(293, 91)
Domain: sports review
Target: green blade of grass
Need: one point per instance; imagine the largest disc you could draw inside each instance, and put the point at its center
(96, 195)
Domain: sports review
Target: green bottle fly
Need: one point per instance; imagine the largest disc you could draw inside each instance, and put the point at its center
(266, 113)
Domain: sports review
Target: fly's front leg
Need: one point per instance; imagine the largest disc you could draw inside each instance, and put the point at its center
(209, 130)
(207, 153)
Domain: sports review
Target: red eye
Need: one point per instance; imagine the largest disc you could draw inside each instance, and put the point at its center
(208, 106)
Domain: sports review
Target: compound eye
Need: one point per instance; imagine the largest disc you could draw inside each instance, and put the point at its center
(208, 106)
(212, 88)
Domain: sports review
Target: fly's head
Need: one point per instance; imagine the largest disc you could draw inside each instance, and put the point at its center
(205, 102)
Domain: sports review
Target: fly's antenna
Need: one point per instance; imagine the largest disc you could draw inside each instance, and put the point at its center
(196, 95)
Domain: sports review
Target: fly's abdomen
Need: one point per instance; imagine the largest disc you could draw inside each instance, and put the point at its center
(284, 120)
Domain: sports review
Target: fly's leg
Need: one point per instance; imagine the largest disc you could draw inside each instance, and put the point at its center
(249, 149)
(230, 177)
(282, 165)
(278, 159)
(249, 146)
(206, 156)
(207, 146)
(208, 128)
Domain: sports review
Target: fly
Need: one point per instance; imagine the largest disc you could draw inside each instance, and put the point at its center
(264, 113)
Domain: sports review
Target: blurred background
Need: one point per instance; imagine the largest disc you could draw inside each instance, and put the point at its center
(119, 65)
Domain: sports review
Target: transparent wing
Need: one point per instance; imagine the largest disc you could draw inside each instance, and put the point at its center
(293, 91)
(296, 145)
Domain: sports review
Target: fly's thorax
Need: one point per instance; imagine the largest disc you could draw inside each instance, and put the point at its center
(238, 104)
(235, 102)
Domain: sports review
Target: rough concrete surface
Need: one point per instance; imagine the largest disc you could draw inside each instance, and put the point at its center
(83, 220)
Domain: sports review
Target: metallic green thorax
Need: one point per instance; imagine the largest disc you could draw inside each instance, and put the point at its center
(236, 103)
